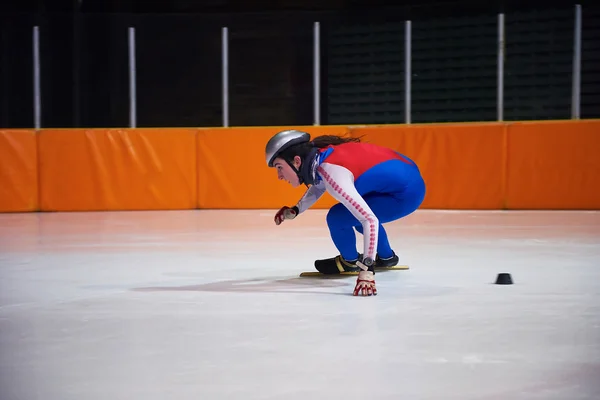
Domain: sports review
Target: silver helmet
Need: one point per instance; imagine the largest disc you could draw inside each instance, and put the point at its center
(282, 141)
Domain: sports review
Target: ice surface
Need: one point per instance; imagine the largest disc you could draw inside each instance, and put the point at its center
(208, 305)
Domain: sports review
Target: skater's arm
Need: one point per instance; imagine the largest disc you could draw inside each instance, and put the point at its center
(310, 197)
(339, 182)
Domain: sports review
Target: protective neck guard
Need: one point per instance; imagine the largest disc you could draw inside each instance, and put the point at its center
(308, 168)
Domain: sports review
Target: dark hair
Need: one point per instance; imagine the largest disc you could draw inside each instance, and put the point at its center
(320, 142)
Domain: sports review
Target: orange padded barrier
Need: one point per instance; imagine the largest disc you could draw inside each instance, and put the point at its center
(233, 172)
(462, 164)
(18, 171)
(117, 169)
(553, 165)
(521, 165)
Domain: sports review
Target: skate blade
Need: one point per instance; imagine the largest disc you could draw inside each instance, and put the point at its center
(321, 275)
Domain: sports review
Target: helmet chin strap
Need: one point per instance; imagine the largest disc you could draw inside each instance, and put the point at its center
(298, 174)
(304, 174)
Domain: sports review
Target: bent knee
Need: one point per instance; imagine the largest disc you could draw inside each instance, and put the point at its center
(336, 215)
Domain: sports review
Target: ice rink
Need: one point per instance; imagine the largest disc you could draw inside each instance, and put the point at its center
(208, 305)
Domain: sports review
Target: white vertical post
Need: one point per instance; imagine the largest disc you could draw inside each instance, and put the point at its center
(317, 73)
(132, 80)
(37, 102)
(225, 74)
(576, 92)
(407, 71)
(501, 50)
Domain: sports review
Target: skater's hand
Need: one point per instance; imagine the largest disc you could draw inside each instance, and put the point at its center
(365, 284)
(285, 213)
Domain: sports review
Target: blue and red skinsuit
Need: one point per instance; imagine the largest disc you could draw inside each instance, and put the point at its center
(373, 185)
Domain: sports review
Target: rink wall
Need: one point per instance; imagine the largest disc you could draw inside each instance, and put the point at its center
(18, 171)
(516, 165)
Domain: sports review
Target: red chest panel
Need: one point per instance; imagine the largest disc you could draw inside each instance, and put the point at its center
(360, 157)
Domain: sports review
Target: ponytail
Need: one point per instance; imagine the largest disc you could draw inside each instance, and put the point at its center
(331, 140)
(303, 149)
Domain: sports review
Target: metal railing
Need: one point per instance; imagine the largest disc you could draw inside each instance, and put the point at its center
(575, 112)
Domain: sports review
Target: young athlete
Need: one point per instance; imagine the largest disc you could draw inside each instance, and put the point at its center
(373, 185)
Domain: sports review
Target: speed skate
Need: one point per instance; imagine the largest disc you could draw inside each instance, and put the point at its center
(317, 274)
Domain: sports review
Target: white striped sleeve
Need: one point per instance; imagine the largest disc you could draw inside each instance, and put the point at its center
(339, 182)
(310, 197)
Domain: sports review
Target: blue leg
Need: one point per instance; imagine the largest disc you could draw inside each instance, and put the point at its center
(386, 207)
(342, 232)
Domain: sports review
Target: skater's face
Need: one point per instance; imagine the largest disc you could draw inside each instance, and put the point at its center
(285, 172)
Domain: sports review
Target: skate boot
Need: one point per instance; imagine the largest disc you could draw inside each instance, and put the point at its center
(336, 265)
(386, 262)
